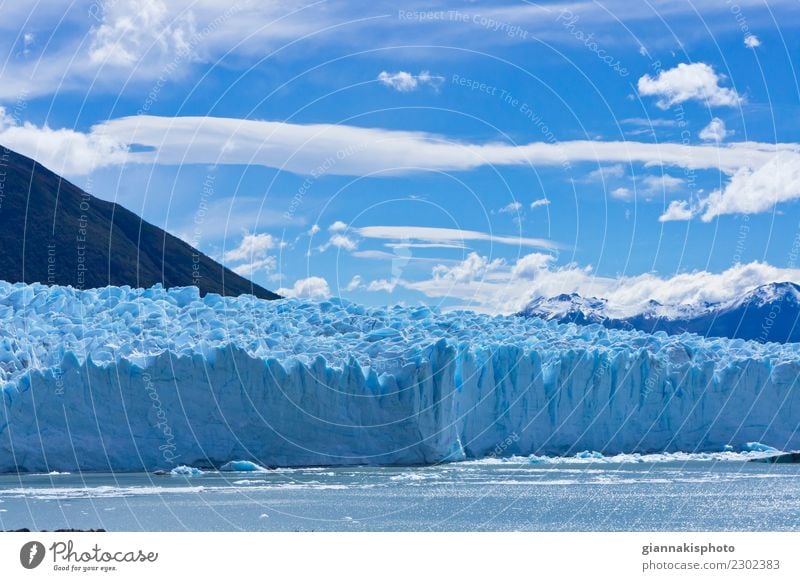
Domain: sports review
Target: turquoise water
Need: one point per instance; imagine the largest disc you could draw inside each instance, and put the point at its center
(470, 496)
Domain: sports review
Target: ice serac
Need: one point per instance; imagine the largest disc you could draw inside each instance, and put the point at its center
(127, 379)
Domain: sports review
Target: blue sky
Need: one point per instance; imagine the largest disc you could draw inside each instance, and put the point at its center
(462, 154)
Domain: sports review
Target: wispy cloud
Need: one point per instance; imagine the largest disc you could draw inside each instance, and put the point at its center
(661, 184)
(650, 123)
(511, 208)
(406, 82)
(449, 236)
(540, 203)
(354, 284)
(125, 43)
(391, 256)
(606, 173)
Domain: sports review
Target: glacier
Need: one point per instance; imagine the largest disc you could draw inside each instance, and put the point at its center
(122, 379)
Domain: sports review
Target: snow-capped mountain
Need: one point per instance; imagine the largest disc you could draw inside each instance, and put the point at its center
(768, 313)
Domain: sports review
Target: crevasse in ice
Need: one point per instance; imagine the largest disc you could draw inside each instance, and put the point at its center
(130, 379)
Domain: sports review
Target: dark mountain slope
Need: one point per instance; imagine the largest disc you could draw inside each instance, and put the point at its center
(55, 233)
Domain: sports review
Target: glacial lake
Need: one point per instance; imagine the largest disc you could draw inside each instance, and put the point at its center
(580, 495)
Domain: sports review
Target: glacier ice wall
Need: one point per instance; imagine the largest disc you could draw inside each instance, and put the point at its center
(122, 379)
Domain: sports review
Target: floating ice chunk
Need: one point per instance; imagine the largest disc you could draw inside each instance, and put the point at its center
(758, 447)
(587, 454)
(242, 466)
(186, 471)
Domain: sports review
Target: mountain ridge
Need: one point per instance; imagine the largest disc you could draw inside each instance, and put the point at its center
(766, 313)
(53, 232)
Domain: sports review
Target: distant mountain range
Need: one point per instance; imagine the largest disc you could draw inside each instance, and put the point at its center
(768, 313)
(53, 232)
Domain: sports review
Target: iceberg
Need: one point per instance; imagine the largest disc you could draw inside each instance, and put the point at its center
(187, 471)
(122, 379)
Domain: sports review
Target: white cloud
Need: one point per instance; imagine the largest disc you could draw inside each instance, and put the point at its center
(304, 149)
(375, 255)
(251, 245)
(650, 123)
(131, 28)
(405, 82)
(246, 31)
(750, 191)
(343, 242)
(605, 173)
(383, 255)
(530, 266)
(696, 81)
(254, 267)
(424, 245)
(754, 191)
(622, 194)
(472, 268)
(663, 183)
(382, 285)
(113, 45)
(314, 229)
(354, 284)
(752, 41)
(447, 235)
(511, 208)
(28, 39)
(340, 241)
(337, 226)
(650, 186)
(312, 288)
(253, 254)
(539, 203)
(715, 131)
(676, 211)
(508, 288)
(64, 151)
